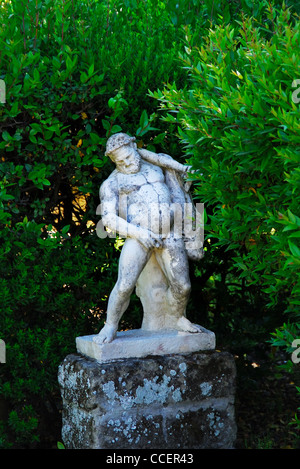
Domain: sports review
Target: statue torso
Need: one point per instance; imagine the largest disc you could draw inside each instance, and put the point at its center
(144, 198)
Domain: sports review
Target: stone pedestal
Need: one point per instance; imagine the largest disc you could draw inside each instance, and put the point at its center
(172, 401)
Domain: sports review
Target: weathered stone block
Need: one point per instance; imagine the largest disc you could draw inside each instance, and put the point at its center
(173, 401)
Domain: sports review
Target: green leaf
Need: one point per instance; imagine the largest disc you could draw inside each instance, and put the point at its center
(106, 124)
(91, 70)
(294, 249)
(159, 138)
(295, 235)
(115, 129)
(69, 63)
(144, 120)
(65, 229)
(6, 136)
(32, 138)
(95, 138)
(83, 77)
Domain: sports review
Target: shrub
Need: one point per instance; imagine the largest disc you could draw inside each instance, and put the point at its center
(75, 72)
(238, 119)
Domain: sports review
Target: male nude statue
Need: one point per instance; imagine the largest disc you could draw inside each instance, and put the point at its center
(137, 184)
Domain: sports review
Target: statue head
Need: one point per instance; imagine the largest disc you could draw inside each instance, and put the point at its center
(122, 150)
(116, 141)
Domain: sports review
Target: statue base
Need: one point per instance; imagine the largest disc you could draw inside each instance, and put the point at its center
(172, 401)
(141, 343)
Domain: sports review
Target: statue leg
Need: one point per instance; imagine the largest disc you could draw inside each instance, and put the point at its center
(173, 260)
(132, 261)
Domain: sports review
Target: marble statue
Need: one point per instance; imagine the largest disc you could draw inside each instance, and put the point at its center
(140, 201)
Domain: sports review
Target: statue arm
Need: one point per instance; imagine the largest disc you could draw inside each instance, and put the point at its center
(163, 160)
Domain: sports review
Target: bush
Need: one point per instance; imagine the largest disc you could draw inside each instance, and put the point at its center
(75, 73)
(238, 119)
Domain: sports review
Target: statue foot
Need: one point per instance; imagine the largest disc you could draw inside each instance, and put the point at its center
(106, 335)
(185, 325)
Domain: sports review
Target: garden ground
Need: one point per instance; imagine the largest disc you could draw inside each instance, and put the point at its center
(266, 404)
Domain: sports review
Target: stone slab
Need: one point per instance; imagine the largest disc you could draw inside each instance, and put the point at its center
(141, 343)
(180, 401)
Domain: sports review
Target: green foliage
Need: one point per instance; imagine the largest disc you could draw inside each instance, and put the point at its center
(238, 118)
(75, 73)
(239, 124)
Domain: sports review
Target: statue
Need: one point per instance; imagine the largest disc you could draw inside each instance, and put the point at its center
(139, 201)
